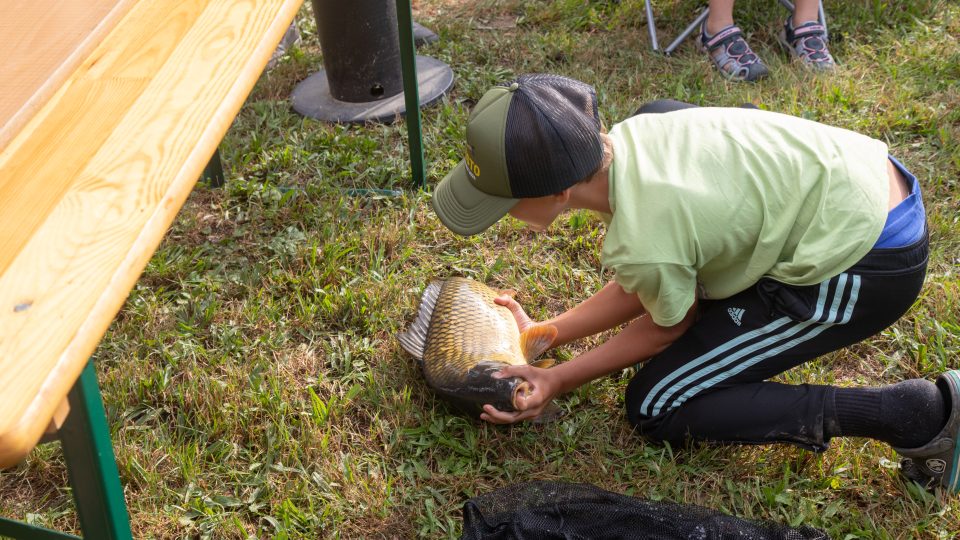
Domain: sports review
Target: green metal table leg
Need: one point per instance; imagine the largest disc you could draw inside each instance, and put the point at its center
(408, 64)
(90, 463)
(87, 450)
(213, 172)
(16, 529)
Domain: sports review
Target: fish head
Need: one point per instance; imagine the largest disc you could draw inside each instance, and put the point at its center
(480, 388)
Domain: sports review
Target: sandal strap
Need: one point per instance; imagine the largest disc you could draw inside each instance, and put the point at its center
(804, 31)
(722, 37)
(809, 29)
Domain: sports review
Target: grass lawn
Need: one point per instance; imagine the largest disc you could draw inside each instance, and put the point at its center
(253, 383)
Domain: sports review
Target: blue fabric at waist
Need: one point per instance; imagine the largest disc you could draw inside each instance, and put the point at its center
(906, 222)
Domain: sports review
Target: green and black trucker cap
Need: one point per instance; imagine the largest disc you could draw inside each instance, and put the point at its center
(532, 137)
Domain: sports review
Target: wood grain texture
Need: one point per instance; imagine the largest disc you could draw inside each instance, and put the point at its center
(91, 183)
(43, 41)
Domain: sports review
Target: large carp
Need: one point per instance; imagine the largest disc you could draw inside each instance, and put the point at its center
(462, 338)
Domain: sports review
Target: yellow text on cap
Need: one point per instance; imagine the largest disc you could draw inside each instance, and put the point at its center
(472, 165)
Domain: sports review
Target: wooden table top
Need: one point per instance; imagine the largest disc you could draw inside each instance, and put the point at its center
(42, 44)
(107, 132)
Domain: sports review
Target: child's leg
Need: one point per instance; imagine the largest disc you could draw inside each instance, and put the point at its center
(805, 11)
(709, 384)
(720, 17)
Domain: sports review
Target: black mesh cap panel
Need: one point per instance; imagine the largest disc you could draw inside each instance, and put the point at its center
(552, 137)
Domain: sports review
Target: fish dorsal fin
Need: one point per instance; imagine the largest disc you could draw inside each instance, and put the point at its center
(536, 339)
(414, 339)
(544, 363)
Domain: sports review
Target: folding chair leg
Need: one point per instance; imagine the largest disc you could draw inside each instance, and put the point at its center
(823, 21)
(652, 27)
(691, 28)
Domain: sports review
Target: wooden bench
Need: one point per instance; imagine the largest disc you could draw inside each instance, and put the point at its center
(109, 110)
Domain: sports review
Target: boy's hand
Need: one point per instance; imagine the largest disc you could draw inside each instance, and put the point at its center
(506, 300)
(544, 386)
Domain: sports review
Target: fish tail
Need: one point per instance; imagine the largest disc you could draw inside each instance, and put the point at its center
(414, 339)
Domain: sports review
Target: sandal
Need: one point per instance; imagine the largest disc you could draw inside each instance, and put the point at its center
(808, 43)
(732, 55)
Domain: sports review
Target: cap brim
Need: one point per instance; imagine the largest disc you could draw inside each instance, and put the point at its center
(465, 209)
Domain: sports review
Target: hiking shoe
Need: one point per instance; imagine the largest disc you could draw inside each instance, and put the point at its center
(808, 43)
(937, 463)
(731, 54)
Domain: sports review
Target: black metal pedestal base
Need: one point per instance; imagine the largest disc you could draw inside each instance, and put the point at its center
(312, 96)
(423, 35)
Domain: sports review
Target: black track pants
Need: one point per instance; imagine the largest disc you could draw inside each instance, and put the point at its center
(710, 383)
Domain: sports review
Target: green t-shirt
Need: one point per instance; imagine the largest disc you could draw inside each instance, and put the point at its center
(707, 201)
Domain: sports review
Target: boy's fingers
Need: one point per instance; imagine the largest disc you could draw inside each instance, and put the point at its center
(496, 416)
(512, 371)
(507, 292)
(523, 402)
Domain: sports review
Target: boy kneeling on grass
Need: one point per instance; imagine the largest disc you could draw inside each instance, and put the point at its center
(743, 242)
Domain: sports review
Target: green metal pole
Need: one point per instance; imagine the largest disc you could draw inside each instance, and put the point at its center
(88, 452)
(408, 64)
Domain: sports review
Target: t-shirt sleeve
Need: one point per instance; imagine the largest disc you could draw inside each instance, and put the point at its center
(666, 290)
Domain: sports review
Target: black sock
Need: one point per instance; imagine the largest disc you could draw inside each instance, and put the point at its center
(906, 415)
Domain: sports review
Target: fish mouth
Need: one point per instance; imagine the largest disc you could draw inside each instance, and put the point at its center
(523, 389)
